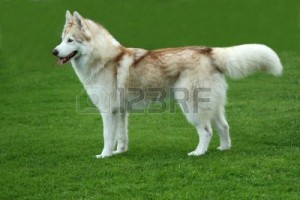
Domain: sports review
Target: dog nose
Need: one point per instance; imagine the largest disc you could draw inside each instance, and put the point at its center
(55, 52)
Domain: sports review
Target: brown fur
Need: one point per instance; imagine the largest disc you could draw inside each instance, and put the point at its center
(68, 27)
(118, 58)
(163, 67)
(157, 54)
(79, 36)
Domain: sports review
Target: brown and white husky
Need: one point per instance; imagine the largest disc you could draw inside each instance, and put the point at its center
(103, 64)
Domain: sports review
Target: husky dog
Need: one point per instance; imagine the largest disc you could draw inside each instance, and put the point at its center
(100, 61)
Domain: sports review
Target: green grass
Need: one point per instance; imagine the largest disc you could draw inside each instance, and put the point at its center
(48, 148)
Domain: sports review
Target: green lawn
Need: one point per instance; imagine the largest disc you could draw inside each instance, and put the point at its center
(48, 147)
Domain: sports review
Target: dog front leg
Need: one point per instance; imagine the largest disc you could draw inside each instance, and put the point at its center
(110, 122)
(122, 145)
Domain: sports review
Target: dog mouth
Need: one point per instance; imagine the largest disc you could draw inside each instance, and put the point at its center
(63, 60)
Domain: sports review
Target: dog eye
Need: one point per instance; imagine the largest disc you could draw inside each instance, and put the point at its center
(70, 40)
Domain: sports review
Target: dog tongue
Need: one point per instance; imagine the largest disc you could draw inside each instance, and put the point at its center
(60, 61)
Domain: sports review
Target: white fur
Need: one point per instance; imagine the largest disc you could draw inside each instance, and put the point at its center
(103, 73)
(241, 61)
(65, 48)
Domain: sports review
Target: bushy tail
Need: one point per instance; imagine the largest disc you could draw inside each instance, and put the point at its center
(241, 61)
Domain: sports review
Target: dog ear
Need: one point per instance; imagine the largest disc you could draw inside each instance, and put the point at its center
(78, 20)
(69, 17)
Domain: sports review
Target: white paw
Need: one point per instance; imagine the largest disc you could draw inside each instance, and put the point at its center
(118, 151)
(103, 155)
(223, 148)
(196, 153)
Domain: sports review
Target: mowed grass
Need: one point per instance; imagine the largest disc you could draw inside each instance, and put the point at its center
(48, 145)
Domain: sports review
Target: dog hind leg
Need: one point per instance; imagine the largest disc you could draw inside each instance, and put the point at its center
(204, 130)
(205, 134)
(223, 130)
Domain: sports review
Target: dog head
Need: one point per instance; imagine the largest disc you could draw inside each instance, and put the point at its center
(75, 39)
